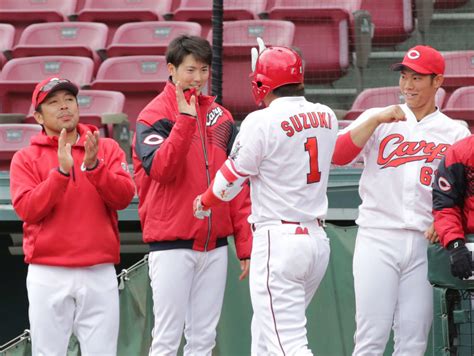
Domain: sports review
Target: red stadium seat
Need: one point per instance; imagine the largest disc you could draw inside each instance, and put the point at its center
(117, 12)
(14, 137)
(201, 11)
(393, 20)
(460, 105)
(148, 38)
(449, 4)
(239, 38)
(79, 5)
(322, 34)
(85, 39)
(20, 75)
(381, 97)
(140, 78)
(22, 13)
(459, 69)
(7, 34)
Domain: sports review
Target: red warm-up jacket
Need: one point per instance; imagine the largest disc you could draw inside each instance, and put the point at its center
(175, 158)
(453, 192)
(70, 221)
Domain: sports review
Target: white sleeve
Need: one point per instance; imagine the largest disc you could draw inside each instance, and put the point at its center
(244, 160)
(227, 183)
(249, 146)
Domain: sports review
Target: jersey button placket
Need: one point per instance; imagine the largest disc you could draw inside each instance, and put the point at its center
(409, 189)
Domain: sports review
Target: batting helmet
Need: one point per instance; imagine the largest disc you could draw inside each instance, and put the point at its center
(276, 66)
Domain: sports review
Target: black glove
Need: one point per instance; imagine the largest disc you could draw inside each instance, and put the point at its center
(460, 258)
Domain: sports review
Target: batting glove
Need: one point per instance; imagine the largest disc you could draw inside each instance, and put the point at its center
(460, 258)
(199, 210)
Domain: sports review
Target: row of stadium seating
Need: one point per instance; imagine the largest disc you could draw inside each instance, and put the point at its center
(328, 32)
(391, 26)
(140, 78)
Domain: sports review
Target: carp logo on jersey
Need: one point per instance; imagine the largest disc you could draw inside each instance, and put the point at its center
(394, 151)
(213, 116)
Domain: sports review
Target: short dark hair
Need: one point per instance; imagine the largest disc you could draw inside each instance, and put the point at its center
(184, 45)
(289, 90)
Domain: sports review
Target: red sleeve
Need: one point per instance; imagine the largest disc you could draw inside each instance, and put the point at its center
(239, 212)
(33, 199)
(169, 158)
(111, 177)
(447, 224)
(449, 193)
(346, 150)
(209, 199)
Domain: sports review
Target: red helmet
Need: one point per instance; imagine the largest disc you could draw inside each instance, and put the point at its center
(276, 66)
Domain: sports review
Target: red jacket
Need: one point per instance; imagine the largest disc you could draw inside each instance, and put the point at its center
(70, 221)
(175, 158)
(453, 192)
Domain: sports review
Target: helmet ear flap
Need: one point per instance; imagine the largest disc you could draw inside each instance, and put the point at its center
(259, 90)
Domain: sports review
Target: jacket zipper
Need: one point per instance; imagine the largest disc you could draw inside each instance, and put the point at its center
(73, 172)
(202, 134)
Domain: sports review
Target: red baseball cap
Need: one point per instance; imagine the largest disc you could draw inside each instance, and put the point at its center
(50, 85)
(423, 60)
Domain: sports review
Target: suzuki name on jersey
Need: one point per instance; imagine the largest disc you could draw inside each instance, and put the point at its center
(395, 151)
(304, 121)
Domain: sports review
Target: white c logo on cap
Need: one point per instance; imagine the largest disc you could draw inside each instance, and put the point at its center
(413, 54)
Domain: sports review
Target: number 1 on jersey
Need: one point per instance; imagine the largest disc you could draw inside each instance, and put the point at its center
(311, 146)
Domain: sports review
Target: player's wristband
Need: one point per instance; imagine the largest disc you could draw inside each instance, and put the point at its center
(208, 199)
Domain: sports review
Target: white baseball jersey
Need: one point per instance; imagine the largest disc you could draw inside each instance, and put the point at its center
(397, 155)
(286, 149)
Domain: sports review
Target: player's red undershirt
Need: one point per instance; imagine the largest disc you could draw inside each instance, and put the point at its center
(346, 150)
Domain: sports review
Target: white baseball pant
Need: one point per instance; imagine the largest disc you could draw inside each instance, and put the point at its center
(188, 291)
(286, 269)
(390, 270)
(79, 300)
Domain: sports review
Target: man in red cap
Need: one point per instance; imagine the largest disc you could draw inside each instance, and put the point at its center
(67, 187)
(401, 146)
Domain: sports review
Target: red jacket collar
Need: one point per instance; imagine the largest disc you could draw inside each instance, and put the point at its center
(42, 139)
